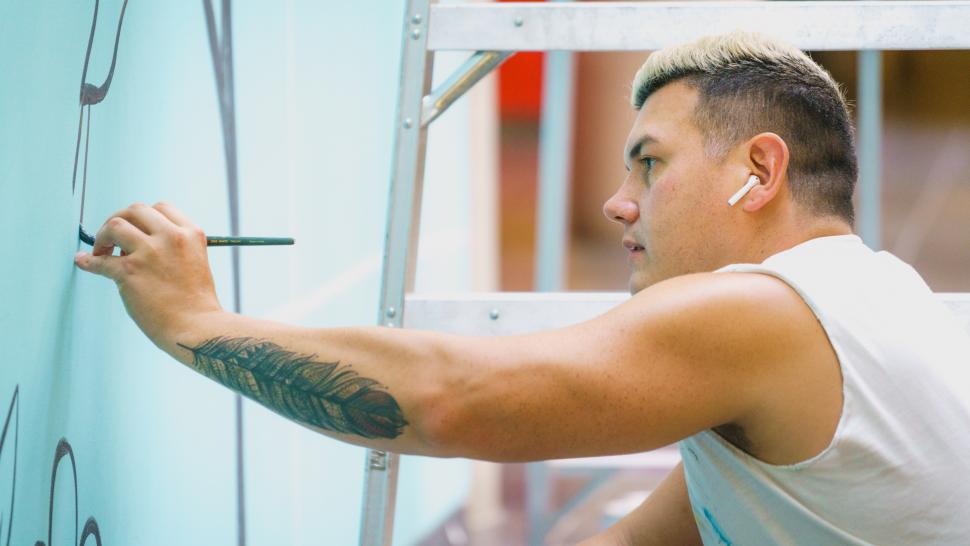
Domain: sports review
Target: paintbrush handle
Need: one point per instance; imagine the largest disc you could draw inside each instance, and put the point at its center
(248, 241)
(215, 241)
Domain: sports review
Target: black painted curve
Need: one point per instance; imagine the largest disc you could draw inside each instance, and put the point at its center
(91, 528)
(14, 404)
(91, 94)
(221, 50)
(63, 449)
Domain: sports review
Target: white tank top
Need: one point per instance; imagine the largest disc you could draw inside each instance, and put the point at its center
(898, 468)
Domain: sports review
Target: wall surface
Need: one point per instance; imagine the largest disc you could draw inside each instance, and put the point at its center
(88, 404)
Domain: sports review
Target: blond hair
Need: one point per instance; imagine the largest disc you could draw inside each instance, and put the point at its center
(750, 83)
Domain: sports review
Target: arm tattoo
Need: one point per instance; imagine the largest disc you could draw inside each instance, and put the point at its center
(322, 394)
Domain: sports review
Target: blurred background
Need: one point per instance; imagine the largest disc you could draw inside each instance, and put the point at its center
(159, 460)
(925, 162)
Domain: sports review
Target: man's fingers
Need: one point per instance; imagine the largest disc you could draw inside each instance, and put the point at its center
(117, 232)
(145, 218)
(106, 266)
(174, 215)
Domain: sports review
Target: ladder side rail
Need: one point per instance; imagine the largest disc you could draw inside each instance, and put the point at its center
(403, 214)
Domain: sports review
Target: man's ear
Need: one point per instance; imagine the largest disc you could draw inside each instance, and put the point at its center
(768, 158)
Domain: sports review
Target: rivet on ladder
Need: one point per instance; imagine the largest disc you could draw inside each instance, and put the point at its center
(415, 34)
(391, 312)
(407, 123)
(416, 19)
(518, 22)
(378, 460)
(493, 314)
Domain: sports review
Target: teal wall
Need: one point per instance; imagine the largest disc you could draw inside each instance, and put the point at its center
(154, 443)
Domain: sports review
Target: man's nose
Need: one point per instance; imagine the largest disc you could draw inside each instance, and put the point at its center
(620, 208)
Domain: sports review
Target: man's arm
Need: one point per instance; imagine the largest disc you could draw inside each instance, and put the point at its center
(680, 357)
(665, 518)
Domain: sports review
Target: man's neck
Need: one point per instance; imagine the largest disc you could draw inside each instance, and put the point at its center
(798, 232)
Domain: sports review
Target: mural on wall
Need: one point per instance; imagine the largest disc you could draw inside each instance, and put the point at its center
(159, 82)
(91, 525)
(221, 49)
(63, 449)
(90, 95)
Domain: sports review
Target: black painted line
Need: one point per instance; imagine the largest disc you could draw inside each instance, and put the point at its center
(94, 94)
(213, 47)
(90, 529)
(87, 55)
(77, 150)
(84, 179)
(84, 76)
(63, 448)
(221, 51)
(91, 525)
(114, 54)
(91, 94)
(14, 404)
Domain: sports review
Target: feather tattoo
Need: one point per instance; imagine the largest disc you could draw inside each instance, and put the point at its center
(322, 394)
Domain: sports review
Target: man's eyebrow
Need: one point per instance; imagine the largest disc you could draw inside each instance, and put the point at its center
(635, 149)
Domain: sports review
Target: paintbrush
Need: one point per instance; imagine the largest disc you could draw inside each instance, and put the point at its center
(215, 240)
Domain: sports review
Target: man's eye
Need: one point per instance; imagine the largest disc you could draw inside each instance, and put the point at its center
(647, 162)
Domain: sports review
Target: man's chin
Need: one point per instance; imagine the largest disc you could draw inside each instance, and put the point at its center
(638, 281)
(643, 279)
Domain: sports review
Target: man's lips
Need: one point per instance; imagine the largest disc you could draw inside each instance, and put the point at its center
(632, 245)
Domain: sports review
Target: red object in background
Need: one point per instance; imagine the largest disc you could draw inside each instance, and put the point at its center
(520, 85)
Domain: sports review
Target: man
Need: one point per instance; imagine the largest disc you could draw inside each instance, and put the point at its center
(820, 397)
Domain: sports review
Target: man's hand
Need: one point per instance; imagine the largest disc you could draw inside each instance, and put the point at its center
(162, 271)
(665, 518)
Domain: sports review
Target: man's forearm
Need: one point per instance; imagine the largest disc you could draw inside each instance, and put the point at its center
(347, 383)
(379, 387)
(664, 519)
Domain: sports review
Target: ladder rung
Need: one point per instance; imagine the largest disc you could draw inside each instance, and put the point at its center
(612, 26)
(511, 313)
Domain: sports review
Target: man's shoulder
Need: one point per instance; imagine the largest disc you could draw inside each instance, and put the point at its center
(711, 309)
(756, 328)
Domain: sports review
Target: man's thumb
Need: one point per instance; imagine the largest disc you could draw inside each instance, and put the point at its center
(106, 266)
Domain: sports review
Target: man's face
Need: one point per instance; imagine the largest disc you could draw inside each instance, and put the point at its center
(673, 203)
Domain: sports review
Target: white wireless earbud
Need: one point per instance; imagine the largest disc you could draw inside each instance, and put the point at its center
(753, 181)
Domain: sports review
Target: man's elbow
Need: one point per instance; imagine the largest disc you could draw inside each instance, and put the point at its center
(439, 416)
(466, 410)
(453, 426)
(434, 425)
(450, 432)
(452, 423)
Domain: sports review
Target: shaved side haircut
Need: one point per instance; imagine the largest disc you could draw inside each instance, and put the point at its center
(750, 83)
